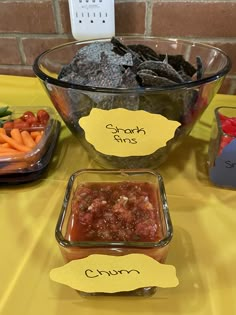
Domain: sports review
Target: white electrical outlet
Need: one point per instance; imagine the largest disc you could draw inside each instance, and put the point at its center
(92, 19)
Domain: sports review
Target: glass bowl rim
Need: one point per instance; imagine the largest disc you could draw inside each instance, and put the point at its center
(221, 73)
(128, 244)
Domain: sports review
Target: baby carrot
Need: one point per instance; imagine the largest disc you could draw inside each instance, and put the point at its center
(2, 131)
(14, 144)
(34, 134)
(38, 138)
(10, 153)
(8, 150)
(5, 145)
(16, 135)
(27, 139)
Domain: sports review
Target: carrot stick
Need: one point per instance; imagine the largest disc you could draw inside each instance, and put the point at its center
(5, 145)
(14, 144)
(16, 135)
(11, 154)
(2, 131)
(5, 149)
(38, 138)
(34, 134)
(27, 139)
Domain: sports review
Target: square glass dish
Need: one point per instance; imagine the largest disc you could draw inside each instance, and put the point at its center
(222, 147)
(115, 212)
(15, 158)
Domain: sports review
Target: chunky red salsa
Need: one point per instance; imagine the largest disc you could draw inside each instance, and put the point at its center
(228, 125)
(123, 211)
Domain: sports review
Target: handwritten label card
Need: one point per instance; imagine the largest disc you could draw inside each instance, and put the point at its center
(122, 132)
(103, 273)
(224, 171)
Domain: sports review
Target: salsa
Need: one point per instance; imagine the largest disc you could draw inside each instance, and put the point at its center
(228, 125)
(122, 211)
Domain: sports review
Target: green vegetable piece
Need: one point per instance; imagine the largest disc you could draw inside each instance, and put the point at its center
(4, 111)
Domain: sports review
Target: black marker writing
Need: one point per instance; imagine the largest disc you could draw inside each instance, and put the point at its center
(120, 132)
(229, 164)
(125, 140)
(126, 131)
(89, 273)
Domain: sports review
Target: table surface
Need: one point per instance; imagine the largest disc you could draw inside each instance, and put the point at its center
(203, 248)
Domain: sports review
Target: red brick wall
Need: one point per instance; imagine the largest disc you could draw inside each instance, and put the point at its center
(29, 27)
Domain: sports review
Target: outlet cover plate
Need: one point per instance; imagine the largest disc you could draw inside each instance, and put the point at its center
(92, 19)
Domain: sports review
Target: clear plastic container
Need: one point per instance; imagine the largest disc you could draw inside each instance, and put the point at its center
(27, 162)
(222, 147)
(114, 240)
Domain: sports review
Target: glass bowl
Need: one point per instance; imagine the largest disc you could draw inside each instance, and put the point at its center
(133, 216)
(183, 100)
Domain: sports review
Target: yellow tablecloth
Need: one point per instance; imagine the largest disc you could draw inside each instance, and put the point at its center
(203, 247)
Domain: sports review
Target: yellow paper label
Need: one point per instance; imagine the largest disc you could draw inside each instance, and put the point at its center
(122, 132)
(103, 273)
